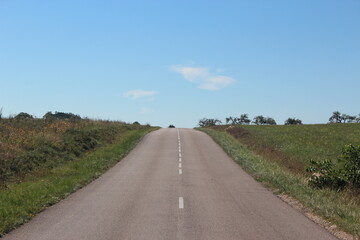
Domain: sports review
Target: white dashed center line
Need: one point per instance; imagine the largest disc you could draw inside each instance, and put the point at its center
(181, 202)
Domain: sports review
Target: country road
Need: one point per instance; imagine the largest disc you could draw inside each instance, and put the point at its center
(176, 184)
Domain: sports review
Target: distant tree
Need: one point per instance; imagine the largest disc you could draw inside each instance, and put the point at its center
(232, 120)
(348, 118)
(208, 122)
(229, 120)
(23, 115)
(61, 116)
(358, 119)
(293, 121)
(1, 113)
(244, 119)
(335, 117)
(259, 120)
(136, 123)
(270, 121)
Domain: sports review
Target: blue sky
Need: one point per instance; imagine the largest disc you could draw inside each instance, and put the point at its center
(175, 62)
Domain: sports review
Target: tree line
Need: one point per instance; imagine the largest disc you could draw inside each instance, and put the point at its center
(244, 119)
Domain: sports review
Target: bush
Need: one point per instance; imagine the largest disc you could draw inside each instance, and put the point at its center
(347, 172)
(61, 116)
(293, 121)
(209, 122)
(261, 120)
(23, 115)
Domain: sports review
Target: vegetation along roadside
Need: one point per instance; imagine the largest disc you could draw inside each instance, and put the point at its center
(42, 161)
(278, 155)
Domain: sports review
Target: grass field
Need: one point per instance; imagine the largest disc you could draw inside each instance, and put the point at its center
(44, 162)
(277, 155)
(294, 145)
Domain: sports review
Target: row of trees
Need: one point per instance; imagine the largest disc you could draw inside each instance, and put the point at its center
(48, 116)
(244, 120)
(338, 117)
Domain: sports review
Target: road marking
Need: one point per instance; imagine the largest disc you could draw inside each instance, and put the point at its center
(181, 202)
(179, 165)
(180, 159)
(180, 171)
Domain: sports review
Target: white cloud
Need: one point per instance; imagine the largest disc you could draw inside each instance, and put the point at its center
(135, 94)
(203, 77)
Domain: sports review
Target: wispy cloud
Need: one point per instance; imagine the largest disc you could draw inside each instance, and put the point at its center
(203, 77)
(135, 94)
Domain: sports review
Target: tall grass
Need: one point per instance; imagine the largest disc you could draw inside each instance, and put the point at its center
(30, 146)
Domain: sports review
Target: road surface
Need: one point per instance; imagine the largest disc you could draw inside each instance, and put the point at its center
(176, 184)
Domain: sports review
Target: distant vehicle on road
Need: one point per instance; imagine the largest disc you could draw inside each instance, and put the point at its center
(171, 126)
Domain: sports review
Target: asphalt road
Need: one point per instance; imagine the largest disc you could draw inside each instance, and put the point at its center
(176, 184)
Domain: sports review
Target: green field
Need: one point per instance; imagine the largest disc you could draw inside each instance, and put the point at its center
(277, 156)
(294, 145)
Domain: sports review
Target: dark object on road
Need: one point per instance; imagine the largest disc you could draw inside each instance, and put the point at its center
(171, 126)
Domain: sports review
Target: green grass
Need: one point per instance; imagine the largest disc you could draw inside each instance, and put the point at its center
(335, 207)
(21, 201)
(318, 142)
(293, 146)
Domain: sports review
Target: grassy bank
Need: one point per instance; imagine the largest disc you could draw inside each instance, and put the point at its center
(293, 146)
(338, 208)
(21, 200)
(33, 146)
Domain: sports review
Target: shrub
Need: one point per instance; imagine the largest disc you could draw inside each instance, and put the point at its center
(261, 120)
(293, 121)
(23, 115)
(61, 116)
(209, 122)
(347, 172)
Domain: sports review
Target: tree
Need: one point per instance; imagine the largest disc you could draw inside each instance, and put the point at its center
(61, 116)
(336, 117)
(270, 121)
(229, 120)
(348, 118)
(1, 113)
(358, 119)
(244, 119)
(23, 115)
(209, 122)
(232, 120)
(259, 120)
(293, 121)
